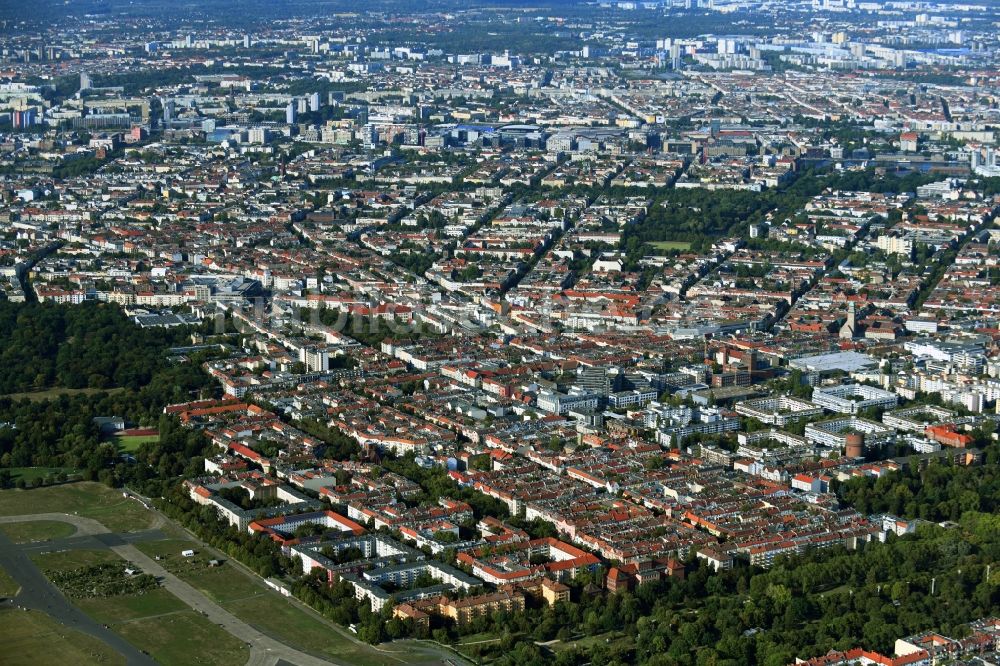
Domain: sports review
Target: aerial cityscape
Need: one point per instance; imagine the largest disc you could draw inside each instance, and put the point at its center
(521, 332)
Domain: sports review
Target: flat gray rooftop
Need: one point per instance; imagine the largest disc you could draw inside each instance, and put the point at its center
(848, 361)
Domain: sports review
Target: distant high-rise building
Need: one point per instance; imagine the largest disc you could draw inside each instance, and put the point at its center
(291, 113)
(370, 136)
(168, 110)
(991, 157)
(303, 104)
(23, 119)
(258, 135)
(188, 41)
(246, 41)
(314, 102)
(726, 46)
(315, 359)
(595, 380)
(85, 83)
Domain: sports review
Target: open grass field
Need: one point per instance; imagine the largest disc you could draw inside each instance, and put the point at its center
(32, 638)
(274, 615)
(8, 588)
(473, 639)
(52, 393)
(221, 584)
(670, 245)
(29, 474)
(184, 638)
(37, 530)
(612, 638)
(170, 549)
(470, 647)
(88, 499)
(129, 607)
(132, 443)
(65, 560)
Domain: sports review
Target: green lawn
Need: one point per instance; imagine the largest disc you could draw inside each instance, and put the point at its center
(88, 499)
(184, 638)
(29, 474)
(32, 638)
(109, 610)
(8, 587)
(470, 647)
(670, 245)
(52, 393)
(483, 638)
(155, 621)
(611, 638)
(294, 626)
(65, 560)
(37, 530)
(221, 584)
(132, 443)
(170, 550)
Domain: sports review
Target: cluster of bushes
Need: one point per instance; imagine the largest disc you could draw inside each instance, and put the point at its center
(102, 580)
